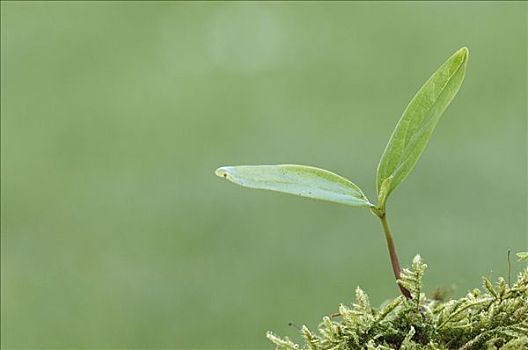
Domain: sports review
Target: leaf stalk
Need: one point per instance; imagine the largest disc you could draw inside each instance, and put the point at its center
(392, 251)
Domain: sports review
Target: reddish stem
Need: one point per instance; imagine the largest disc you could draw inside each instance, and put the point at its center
(393, 256)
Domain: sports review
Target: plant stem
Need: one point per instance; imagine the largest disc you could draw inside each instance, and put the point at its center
(392, 252)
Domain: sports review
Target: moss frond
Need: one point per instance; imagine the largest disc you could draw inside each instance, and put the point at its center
(493, 318)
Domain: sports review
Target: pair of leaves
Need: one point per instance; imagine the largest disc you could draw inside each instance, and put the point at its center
(407, 143)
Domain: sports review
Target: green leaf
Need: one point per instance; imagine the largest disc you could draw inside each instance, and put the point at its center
(304, 181)
(413, 131)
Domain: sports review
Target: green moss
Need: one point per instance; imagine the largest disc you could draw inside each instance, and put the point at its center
(493, 318)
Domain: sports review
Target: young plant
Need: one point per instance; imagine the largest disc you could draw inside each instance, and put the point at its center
(405, 146)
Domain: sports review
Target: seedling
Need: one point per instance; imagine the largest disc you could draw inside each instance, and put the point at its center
(405, 146)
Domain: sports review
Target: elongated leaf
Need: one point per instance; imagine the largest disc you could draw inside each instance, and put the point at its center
(304, 181)
(413, 131)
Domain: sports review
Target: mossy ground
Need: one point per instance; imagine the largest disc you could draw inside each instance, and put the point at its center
(495, 318)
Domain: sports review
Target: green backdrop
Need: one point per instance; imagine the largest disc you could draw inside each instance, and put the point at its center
(115, 231)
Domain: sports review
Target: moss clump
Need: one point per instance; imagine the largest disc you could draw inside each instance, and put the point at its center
(496, 318)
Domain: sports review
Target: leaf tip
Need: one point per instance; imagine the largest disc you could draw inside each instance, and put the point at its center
(463, 54)
(222, 172)
(464, 50)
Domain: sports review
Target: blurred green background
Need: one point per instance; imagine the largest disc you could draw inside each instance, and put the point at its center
(115, 231)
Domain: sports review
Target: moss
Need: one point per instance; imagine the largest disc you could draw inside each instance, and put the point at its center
(495, 317)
